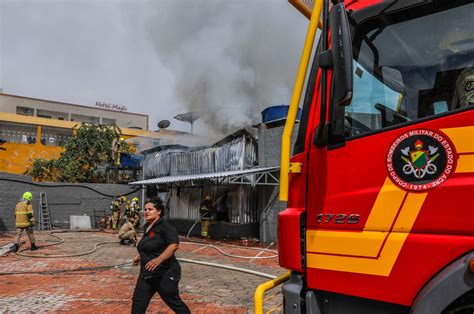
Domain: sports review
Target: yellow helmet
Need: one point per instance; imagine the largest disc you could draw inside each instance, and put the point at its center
(123, 198)
(207, 198)
(135, 199)
(28, 196)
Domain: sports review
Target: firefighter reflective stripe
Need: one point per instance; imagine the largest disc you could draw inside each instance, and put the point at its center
(462, 140)
(368, 252)
(23, 212)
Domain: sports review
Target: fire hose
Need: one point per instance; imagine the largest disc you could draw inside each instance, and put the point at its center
(108, 267)
(275, 254)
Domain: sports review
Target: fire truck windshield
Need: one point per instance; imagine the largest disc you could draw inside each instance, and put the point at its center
(411, 65)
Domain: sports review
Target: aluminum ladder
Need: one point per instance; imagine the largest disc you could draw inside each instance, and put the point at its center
(44, 217)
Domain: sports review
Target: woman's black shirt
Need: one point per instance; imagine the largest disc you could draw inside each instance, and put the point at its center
(153, 243)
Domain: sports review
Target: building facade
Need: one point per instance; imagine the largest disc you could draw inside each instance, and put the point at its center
(102, 113)
(33, 128)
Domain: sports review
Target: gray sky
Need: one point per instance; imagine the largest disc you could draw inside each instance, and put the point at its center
(228, 59)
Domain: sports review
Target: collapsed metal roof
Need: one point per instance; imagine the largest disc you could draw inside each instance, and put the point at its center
(262, 176)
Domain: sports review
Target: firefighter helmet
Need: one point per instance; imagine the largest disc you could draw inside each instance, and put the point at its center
(135, 199)
(207, 198)
(27, 196)
(123, 198)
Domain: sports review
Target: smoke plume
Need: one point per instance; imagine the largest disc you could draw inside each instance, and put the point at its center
(230, 59)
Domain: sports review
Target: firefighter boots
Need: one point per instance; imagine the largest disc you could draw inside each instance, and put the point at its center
(15, 247)
(33, 247)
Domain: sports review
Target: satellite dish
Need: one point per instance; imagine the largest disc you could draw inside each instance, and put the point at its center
(188, 117)
(163, 124)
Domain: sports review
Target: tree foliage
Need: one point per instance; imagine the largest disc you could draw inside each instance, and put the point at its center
(83, 158)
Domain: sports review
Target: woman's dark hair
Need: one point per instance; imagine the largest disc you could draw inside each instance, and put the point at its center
(158, 204)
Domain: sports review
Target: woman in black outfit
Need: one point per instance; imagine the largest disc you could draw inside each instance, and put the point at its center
(159, 269)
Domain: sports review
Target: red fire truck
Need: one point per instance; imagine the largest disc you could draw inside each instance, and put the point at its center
(380, 184)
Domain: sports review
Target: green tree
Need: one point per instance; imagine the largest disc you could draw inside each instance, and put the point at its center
(90, 147)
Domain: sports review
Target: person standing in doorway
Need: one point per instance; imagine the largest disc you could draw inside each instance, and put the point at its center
(25, 220)
(205, 211)
(159, 269)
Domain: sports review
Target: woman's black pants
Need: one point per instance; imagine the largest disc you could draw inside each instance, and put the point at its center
(167, 288)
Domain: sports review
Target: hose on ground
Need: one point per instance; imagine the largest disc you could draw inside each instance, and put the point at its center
(230, 255)
(227, 254)
(60, 271)
(108, 267)
(67, 255)
(61, 240)
(228, 267)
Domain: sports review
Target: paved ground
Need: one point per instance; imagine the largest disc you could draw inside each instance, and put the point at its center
(87, 283)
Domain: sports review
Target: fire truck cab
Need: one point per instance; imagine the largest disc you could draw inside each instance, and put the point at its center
(380, 184)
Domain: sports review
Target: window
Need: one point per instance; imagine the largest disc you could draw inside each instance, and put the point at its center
(81, 118)
(106, 121)
(25, 111)
(51, 114)
(39, 115)
(18, 132)
(411, 66)
(51, 136)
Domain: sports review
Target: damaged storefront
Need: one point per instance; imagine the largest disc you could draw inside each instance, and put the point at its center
(227, 172)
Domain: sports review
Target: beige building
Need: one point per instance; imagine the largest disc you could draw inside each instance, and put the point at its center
(102, 113)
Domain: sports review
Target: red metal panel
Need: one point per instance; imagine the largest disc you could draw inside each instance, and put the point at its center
(289, 220)
(289, 238)
(348, 179)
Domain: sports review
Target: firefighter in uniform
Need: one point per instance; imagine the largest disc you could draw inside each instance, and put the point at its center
(126, 213)
(25, 220)
(127, 232)
(116, 208)
(134, 211)
(205, 211)
(118, 147)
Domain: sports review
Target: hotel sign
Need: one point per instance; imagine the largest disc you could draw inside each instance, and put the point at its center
(113, 107)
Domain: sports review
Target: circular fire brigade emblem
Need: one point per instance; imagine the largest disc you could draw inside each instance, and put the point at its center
(420, 160)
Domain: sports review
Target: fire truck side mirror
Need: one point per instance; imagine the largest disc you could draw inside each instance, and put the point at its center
(341, 50)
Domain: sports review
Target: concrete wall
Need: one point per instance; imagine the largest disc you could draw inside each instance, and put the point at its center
(269, 153)
(63, 201)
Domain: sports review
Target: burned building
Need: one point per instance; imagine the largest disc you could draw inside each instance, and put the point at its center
(226, 171)
(240, 174)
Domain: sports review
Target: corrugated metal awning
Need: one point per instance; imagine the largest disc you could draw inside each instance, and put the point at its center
(236, 177)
